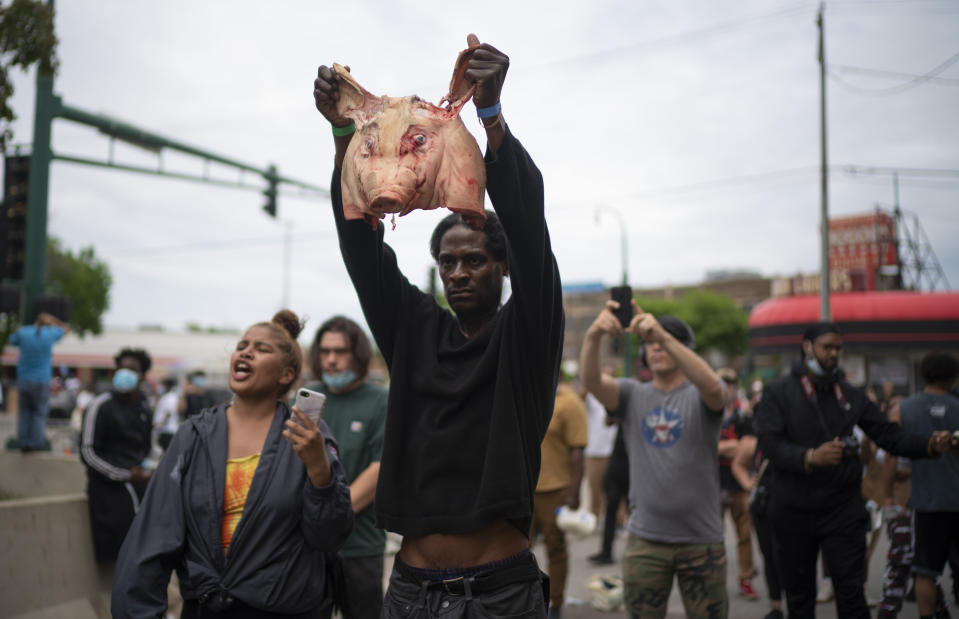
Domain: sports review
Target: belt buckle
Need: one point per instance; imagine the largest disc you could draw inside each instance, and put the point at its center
(449, 581)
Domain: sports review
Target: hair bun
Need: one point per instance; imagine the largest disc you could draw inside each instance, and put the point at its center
(289, 321)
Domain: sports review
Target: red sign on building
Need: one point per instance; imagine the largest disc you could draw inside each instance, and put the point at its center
(861, 245)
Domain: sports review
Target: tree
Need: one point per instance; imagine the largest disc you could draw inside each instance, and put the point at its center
(83, 279)
(715, 319)
(26, 38)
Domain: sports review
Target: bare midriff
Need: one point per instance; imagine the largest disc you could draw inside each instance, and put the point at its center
(449, 551)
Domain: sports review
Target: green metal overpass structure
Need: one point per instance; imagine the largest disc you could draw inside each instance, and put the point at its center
(50, 106)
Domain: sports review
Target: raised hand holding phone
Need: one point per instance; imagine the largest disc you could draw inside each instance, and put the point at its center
(624, 296)
(310, 403)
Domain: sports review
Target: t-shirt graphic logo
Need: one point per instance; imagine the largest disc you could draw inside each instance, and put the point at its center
(662, 427)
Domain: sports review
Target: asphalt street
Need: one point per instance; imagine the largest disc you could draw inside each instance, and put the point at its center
(580, 570)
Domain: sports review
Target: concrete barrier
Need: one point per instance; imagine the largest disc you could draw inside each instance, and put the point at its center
(39, 474)
(47, 569)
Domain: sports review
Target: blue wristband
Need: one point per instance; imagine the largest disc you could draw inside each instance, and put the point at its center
(489, 112)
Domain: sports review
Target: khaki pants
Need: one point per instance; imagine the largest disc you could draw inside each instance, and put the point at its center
(595, 470)
(545, 505)
(738, 504)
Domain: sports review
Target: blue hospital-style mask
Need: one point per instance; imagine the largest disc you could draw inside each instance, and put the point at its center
(340, 380)
(125, 380)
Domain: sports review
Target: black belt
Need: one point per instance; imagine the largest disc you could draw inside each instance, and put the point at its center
(524, 569)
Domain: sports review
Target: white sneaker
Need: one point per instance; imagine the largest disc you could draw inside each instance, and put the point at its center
(826, 593)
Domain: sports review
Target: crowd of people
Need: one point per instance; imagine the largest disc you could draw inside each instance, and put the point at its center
(476, 445)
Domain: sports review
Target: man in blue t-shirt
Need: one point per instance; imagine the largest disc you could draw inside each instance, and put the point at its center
(935, 482)
(34, 372)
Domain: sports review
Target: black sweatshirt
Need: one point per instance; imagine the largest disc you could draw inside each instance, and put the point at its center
(788, 423)
(465, 417)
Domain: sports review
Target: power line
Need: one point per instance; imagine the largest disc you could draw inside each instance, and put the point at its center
(850, 171)
(946, 81)
(887, 8)
(683, 37)
(894, 90)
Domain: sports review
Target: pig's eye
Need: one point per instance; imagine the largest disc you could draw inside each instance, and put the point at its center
(368, 147)
(419, 139)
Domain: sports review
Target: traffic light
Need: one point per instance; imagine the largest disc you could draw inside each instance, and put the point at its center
(270, 192)
(9, 299)
(13, 216)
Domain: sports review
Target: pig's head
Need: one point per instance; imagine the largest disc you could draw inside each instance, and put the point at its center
(409, 154)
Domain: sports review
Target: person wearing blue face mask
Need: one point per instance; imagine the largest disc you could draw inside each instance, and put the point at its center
(805, 422)
(193, 396)
(355, 410)
(116, 438)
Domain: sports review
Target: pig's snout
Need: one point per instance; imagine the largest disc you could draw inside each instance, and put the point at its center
(393, 193)
(386, 203)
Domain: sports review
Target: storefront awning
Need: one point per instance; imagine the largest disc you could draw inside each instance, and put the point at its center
(898, 319)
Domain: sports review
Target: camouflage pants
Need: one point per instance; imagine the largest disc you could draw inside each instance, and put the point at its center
(649, 568)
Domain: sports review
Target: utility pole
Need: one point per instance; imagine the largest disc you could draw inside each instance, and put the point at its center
(35, 246)
(824, 310)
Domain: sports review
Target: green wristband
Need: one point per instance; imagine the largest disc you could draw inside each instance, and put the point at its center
(341, 131)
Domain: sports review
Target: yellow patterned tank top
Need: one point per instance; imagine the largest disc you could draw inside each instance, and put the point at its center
(239, 474)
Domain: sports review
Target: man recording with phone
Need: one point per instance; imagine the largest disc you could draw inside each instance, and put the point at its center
(671, 431)
(805, 426)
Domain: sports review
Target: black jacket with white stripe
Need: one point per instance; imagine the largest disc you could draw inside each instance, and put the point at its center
(116, 436)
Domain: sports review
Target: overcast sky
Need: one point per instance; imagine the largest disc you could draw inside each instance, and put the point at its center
(696, 123)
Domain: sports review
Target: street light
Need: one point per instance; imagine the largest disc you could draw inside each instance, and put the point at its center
(627, 337)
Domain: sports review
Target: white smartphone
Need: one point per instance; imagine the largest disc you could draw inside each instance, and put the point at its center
(310, 404)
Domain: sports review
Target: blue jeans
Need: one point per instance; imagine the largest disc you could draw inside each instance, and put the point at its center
(34, 406)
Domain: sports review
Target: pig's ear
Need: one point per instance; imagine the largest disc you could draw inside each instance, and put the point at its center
(461, 178)
(461, 90)
(355, 101)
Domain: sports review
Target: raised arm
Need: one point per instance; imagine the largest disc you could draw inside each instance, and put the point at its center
(602, 386)
(487, 70)
(370, 262)
(53, 321)
(515, 188)
(693, 366)
(326, 93)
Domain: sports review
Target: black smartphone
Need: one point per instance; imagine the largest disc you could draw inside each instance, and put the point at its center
(624, 296)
